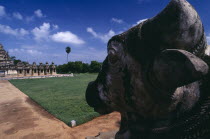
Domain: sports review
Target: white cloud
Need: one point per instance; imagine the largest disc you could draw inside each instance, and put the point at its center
(41, 32)
(102, 37)
(140, 21)
(91, 31)
(208, 45)
(88, 54)
(38, 13)
(28, 55)
(207, 51)
(31, 52)
(23, 32)
(10, 31)
(55, 26)
(2, 11)
(116, 20)
(29, 18)
(67, 37)
(17, 15)
(208, 39)
(37, 46)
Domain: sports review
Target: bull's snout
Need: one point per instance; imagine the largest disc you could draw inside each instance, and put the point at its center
(92, 95)
(93, 99)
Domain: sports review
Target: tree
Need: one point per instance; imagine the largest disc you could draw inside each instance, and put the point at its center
(13, 58)
(85, 67)
(68, 50)
(78, 66)
(17, 61)
(62, 69)
(95, 67)
(71, 67)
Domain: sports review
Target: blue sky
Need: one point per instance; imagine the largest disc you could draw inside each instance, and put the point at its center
(39, 30)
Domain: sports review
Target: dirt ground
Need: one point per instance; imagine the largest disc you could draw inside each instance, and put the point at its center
(20, 117)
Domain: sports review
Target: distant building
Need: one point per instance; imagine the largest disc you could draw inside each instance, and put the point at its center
(8, 68)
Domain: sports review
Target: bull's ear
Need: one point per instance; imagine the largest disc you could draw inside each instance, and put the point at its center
(174, 68)
(178, 26)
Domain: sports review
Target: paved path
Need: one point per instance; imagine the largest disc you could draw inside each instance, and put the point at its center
(20, 117)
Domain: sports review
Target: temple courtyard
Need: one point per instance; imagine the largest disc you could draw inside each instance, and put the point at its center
(21, 117)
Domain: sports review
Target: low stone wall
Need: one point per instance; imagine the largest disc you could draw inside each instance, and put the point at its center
(11, 72)
(36, 77)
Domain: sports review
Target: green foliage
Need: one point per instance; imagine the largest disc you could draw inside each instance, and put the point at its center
(12, 57)
(63, 97)
(68, 49)
(16, 60)
(85, 67)
(79, 67)
(94, 67)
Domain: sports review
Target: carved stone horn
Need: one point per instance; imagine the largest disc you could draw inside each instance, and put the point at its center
(173, 68)
(178, 26)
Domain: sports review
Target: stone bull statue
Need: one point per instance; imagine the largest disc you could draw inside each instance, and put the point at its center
(156, 76)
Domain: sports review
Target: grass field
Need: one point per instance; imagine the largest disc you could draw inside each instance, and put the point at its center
(63, 97)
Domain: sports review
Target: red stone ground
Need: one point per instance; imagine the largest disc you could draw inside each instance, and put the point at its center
(20, 117)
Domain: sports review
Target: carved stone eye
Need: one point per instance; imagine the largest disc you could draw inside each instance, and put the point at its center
(114, 50)
(112, 56)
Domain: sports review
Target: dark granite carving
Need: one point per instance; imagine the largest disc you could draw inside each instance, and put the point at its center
(156, 77)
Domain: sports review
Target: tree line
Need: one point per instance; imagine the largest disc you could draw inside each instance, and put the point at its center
(79, 67)
(72, 67)
(13, 58)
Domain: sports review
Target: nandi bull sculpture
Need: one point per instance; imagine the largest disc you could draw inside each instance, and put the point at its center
(156, 77)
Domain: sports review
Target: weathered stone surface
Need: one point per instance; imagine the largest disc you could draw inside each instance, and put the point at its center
(188, 68)
(104, 135)
(156, 77)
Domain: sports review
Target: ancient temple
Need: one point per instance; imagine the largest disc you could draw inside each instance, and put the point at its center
(6, 64)
(4, 57)
(26, 69)
(8, 68)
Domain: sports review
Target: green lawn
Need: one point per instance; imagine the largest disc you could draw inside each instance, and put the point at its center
(63, 97)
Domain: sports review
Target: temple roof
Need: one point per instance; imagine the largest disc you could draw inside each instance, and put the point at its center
(1, 47)
(5, 58)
